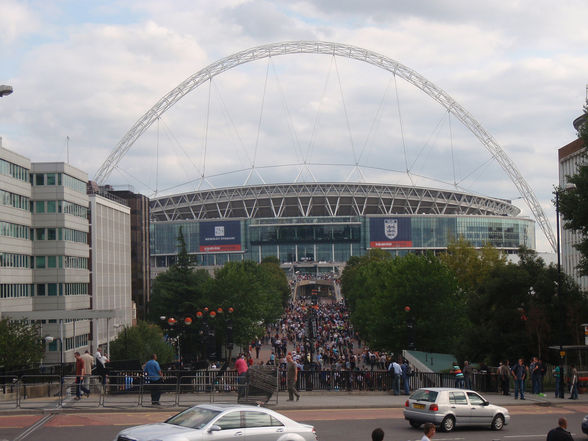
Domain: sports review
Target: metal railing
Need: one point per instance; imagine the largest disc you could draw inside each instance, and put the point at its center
(187, 388)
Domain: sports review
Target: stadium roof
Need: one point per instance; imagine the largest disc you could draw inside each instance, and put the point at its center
(323, 199)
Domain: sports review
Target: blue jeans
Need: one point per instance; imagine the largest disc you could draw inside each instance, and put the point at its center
(574, 395)
(536, 384)
(396, 383)
(519, 387)
(406, 385)
(459, 382)
(558, 387)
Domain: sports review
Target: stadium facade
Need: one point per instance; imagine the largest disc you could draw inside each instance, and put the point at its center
(319, 226)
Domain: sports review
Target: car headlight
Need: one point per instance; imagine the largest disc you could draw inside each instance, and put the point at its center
(585, 419)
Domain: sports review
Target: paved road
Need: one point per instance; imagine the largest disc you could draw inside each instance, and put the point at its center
(529, 422)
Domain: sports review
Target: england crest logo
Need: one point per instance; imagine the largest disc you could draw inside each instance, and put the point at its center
(391, 228)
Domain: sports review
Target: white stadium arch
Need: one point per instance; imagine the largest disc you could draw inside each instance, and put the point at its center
(341, 50)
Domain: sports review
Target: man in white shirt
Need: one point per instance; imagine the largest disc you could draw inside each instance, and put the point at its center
(101, 361)
(397, 371)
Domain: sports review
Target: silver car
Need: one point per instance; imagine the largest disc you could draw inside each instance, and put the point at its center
(448, 408)
(223, 422)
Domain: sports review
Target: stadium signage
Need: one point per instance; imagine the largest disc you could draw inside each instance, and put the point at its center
(390, 232)
(220, 236)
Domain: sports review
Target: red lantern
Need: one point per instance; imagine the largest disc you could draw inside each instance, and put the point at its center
(212, 314)
(219, 310)
(171, 321)
(231, 310)
(199, 314)
(188, 321)
(407, 308)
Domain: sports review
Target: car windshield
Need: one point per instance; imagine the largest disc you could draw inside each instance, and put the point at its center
(195, 417)
(424, 395)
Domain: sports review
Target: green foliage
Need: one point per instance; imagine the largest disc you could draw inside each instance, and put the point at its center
(467, 302)
(21, 345)
(471, 266)
(516, 312)
(378, 288)
(139, 342)
(255, 291)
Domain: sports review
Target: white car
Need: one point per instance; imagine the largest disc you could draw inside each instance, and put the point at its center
(448, 408)
(222, 422)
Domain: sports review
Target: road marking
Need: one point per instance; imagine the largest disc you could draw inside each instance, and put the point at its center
(38, 424)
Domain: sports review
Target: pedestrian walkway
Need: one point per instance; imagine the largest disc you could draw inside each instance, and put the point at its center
(318, 400)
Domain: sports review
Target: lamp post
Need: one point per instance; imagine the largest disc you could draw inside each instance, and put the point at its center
(49, 339)
(559, 290)
(410, 328)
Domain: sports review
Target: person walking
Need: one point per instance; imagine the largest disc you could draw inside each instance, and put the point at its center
(560, 433)
(574, 383)
(406, 373)
(101, 361)
(291, 377)
(397, 372)
(153, 373)
(79, 377)
(468, 373)
(559, 387)
(504, 375)
(458, 375)
(88, 362)
(429, 429)
(241, 368)
(519, 372)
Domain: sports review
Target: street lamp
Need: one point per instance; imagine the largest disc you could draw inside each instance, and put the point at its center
(49, 339)
(5, 90)
(558, 283)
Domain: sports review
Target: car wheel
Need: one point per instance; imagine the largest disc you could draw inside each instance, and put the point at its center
(448, 424)
(497, 422)
(415, 424)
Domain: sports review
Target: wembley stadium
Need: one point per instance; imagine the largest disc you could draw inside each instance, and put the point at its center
(321, 225)
(311, 220)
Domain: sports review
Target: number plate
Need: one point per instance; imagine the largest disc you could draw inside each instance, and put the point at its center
(418, 406)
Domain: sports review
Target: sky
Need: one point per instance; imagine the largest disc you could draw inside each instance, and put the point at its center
(84, 72)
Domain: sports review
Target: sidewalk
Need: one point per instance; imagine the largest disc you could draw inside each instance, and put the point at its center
(351, 400)
(308, 400)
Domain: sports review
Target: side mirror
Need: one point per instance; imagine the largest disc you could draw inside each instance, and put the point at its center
(214, 428)
(486, 403)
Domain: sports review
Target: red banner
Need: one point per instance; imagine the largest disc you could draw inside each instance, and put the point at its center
(391, 244)
(217, 248)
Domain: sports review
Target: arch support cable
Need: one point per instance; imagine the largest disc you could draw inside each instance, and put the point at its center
(342, 50)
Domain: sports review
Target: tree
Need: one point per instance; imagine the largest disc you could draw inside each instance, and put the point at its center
(573, 204)
(21, 345)
(139, 342)
(380, 288)
(471, 266)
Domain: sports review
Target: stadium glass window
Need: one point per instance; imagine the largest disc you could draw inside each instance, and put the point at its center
(40, 207)
(52, 289)
(39, 179)
(40, 233)
(51, 261)
(51, 233)
(40, 289)
(51, 179)
(51, 206)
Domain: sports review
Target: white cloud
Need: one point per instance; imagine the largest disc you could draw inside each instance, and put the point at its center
(90, 73)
